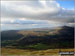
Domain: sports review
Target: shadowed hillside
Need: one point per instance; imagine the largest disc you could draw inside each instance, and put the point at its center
(62, 37)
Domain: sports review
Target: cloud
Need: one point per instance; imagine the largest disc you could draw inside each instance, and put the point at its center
(26, 11)
(70, 24)
(25, 21)
(36, 10)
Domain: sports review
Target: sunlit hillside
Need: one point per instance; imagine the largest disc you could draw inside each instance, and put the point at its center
(38, 42)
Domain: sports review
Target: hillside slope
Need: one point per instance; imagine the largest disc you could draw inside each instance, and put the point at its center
(62, 37)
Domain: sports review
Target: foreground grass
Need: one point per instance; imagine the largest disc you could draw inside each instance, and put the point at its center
(10, 51)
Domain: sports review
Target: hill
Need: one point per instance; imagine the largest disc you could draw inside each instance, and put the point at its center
(62, 37)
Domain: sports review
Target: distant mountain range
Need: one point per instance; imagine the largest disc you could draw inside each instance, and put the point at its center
(61, 37)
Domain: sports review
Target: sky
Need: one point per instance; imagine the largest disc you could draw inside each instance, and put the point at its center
(67, 4)
(36, 14)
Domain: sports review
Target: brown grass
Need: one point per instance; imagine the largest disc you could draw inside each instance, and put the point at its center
(9, 51)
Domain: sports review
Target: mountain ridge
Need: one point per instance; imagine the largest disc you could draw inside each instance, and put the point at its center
(55, 38)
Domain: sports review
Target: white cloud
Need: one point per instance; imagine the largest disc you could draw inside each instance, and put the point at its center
(71, 24)
(14, 9)
(35, 10)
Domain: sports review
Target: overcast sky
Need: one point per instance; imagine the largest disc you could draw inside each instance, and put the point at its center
(44, 13)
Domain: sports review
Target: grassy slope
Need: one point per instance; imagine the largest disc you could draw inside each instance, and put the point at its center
(15, 51)
(9, 51)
